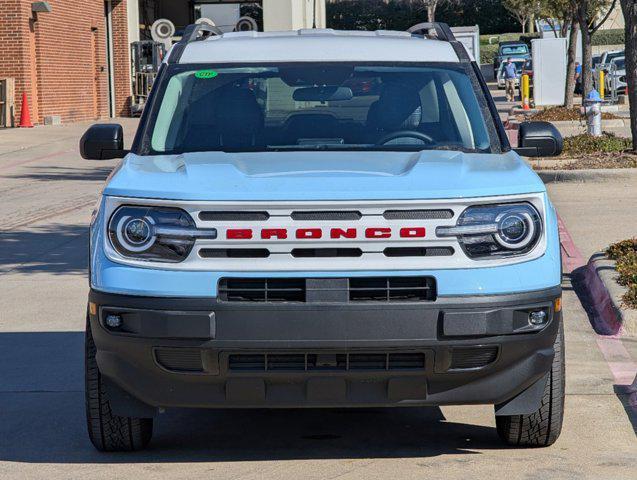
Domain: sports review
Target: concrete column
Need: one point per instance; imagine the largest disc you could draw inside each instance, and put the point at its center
(293, 14)
(132, 14)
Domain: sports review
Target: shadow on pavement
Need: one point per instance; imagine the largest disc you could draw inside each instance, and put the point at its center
(53, 173)
(56, 249)
(42, 412)
(627, 395)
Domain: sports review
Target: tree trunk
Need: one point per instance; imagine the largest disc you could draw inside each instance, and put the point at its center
(587, 48)
(570, 66)
(431, 12)
(630, 14)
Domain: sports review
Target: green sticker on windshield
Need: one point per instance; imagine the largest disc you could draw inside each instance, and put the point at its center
(206, 74)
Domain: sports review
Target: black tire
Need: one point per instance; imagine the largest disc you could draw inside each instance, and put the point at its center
(541, 428)
(109, 432)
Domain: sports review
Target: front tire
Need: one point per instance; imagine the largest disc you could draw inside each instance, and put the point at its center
(541, 428)
(109, 432)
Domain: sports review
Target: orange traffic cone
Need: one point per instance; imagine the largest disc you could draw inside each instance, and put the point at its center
(25, 115)
(525, 104)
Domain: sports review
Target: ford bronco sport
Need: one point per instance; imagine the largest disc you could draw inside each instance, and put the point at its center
(322, 219)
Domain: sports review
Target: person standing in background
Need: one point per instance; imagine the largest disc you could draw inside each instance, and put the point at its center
(510, 76)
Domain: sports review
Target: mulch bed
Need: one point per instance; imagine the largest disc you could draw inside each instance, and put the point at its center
(561, 114)
(600, 160)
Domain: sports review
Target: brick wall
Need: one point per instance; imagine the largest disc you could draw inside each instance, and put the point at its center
(59, 58)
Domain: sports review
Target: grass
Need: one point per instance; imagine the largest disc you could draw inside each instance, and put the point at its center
(625, 255)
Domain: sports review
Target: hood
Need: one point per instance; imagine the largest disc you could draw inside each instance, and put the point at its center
(219, 176)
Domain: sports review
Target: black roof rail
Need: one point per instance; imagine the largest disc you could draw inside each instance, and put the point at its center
(443, 32)
(192, 33)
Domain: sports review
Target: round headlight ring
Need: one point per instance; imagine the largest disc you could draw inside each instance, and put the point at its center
(136, 234)
(507, 223)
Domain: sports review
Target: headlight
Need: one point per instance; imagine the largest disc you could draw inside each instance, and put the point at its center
(491, 230)
(154, 233)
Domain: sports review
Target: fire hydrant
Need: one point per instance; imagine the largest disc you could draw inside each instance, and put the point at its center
(593, 112)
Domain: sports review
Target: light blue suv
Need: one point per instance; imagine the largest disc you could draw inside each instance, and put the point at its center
(322, 219)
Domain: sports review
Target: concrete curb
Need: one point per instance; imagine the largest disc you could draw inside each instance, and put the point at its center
(588, 175)
(602, 305)
(601, 278)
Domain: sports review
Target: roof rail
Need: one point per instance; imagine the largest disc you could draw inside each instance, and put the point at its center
(192, 33)
(443, 32)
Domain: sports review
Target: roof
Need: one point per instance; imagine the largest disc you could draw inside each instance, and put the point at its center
(320, 45)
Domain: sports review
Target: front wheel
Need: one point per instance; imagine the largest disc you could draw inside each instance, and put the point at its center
(109, 432)
(543, 427)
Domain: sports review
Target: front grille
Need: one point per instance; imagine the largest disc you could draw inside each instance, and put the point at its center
(465, 358)
(179, 359)
(312, 361)
(441, 214)
(327, 215)
(392, 289)
(326, 252)
(357, 289)
(233, 216)
(234, 253)
(418, 251)
(262, 289)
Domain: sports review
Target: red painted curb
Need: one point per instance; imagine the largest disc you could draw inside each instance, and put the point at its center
(605, 320)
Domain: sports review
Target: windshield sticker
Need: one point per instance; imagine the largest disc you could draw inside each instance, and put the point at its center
(206, 74)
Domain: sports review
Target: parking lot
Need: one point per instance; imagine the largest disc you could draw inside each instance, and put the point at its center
(48, 193)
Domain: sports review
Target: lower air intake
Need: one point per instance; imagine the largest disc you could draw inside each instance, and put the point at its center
(466, 358)
(180, 359)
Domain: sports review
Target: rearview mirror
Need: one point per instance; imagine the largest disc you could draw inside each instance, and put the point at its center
(323, 94)
(539, 139)
(103, 141)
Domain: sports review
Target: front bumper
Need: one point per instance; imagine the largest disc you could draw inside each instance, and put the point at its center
(194, 352)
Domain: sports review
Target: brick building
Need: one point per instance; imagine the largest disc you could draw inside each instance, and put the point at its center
(61, 58)
(72, 57)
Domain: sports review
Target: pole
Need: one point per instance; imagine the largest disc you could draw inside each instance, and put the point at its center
(526, 93)
(602, 84)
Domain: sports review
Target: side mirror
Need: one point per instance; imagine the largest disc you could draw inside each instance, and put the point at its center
(103, 141)
(539, 139)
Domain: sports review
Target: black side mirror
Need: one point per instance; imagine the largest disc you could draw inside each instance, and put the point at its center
(103, 141)
(539, 139)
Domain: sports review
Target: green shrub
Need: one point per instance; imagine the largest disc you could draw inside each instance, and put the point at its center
(587, 144)
(625, 255)
(488, 53)
(609, 37)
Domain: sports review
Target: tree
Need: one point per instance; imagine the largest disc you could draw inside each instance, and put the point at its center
(523, 10)
(560, 15)
(591, 15)
(432, 5)
(630, 14)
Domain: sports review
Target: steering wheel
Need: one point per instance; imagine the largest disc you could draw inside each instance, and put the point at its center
(405, 134)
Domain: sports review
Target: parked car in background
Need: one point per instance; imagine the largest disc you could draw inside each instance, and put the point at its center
(608, 57)
(516, 49)
(519, 63)
(616, 75)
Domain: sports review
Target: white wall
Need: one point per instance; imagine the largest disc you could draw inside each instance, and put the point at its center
(292, 14)
(132, 14)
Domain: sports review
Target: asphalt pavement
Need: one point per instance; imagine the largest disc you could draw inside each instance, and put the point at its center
(46, 196)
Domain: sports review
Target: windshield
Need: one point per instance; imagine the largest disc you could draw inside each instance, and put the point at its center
(317, 106)
(515, 50)
(620, 63)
